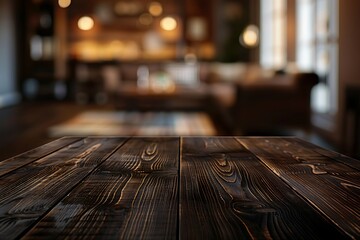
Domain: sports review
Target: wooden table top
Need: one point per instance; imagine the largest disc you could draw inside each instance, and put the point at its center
(180, 188)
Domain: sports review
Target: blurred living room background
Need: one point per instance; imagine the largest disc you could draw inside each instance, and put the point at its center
(189, 67)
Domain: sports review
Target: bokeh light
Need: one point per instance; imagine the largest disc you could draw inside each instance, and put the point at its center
(64, 3)
(86, 23)
(155, 9)
(168, 23)
(250, 36)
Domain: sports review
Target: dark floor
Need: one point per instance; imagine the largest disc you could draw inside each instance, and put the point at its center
(25, 126)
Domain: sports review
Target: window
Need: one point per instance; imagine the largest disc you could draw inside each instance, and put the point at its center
(317, 49)
(273, 33)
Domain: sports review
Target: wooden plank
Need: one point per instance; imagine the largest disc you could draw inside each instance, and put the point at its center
(227, 193)
(28, 193)
(13, 163)
(328, 184)
(351, 162)
(132, 195)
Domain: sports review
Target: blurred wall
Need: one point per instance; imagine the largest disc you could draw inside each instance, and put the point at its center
(349, 43)
(291, 31)
(349, 61)
(8, 94)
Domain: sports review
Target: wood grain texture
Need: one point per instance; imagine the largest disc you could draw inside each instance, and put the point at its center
(227, 193)
(179, 188)
(28, 193)
(328, 181)
(353, 163)
(132, 195)
(13, 163)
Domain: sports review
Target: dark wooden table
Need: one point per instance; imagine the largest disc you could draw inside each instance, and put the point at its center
(180, 188)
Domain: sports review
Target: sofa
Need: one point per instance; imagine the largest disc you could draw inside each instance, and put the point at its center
(244, 98)
(276, 103)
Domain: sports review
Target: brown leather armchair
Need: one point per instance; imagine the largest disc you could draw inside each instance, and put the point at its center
(276, 103)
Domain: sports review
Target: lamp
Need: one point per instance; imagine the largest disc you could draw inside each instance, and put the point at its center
(85, 23)
(250, 36)
(168, 23)
(155, 9)
(64, 3)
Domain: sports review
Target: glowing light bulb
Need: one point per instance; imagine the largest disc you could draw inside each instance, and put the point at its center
(85, 23)
(64, 3)
(250, 36)
(168, 23)
(155, 9)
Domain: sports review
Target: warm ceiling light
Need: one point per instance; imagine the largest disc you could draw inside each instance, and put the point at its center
(168, 23)
(155, 9)
(64, 3)
(86, 23)
(250, 36)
